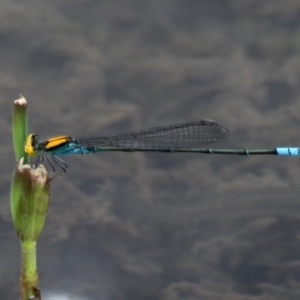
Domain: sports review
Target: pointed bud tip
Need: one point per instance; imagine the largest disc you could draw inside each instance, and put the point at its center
(39, 174)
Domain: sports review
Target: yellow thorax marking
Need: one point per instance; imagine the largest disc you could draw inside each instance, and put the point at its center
(56, 141)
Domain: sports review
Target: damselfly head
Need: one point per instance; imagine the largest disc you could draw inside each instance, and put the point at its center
(32, 144)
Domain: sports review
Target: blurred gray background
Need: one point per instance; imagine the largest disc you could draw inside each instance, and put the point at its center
(158, 226)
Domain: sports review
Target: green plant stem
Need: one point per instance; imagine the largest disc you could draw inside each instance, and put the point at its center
(20, 128)
(29, 275)
(29, 199)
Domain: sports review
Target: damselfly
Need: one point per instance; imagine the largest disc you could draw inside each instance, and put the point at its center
(184, 137)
